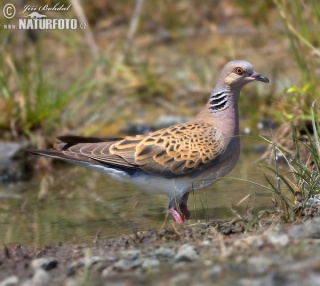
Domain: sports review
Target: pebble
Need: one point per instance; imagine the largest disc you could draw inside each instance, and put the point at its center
(89, 261)
(250, 241)
(247, 130)
(150, 263)
(261, 281)
(213, 271)
(309, 229)
(124, 264)
(71, 282)
(180, 279)
(186, 253)
(27, 282)
(131, 254)
(314, 201)
(277, 239)
(10, 281)
(86, 262)
(107, 271)
(163, 252)
(217, 269)
(259, 264)
(206, 243)
(41, 277)
(13, 164)
(207, 262)
(314, 279)
(47, 264)
(282, 278)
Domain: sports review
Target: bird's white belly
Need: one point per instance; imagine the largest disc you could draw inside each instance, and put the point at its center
(175, 187)
(149, 183)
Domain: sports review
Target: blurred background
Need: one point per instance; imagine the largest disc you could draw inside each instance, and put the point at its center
(139, 66)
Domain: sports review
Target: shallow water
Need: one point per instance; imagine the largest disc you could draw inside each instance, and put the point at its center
(73, 204)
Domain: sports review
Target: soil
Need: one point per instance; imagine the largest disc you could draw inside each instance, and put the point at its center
(220, 252)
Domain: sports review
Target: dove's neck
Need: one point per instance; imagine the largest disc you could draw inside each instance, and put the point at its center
(222, 110)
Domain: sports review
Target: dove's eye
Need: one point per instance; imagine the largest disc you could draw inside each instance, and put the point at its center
(238, 71)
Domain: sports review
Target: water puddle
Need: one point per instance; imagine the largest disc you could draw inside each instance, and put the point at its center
(73, 204)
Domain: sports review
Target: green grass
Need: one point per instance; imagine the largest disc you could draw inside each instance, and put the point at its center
(292, 185)
(29, 100)
(301, 20)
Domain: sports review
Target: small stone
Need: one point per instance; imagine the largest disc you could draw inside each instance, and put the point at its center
(86, 262)
(259, 264)
(261, 281)
(217, 269)
(41, 277)
(276, 239)
(150, 263)
(131, 254)
(282, 278)
(207, 262)
(247, 130)
(13, 163)
(211, 272)
(107, 271)
(27, 282)
(89, 261)
(186, 253)
(163, 252)
(71, 282)
(10, 281)
(124, 264)
(313, 201)
(309, 229)
(180, 279)
(314, 279)
(44, 263)
(206, 243)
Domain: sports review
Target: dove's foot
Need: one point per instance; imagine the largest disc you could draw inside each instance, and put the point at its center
(176, 215)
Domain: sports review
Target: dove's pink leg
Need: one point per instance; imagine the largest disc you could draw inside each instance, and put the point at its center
(176, 215)
(184, 209)
(183, 206)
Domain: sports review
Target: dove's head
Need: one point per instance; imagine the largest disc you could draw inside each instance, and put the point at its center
(238, 73)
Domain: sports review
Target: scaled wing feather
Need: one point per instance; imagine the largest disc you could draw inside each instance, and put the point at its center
(175, 151)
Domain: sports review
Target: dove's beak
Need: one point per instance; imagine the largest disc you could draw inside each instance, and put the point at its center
(259, 77)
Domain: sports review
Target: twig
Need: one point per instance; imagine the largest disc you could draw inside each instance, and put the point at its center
(174, 228)
(133, 24)
(97, 236)
(241, 201)
(165, 220)
(88, 32)
(236, 213)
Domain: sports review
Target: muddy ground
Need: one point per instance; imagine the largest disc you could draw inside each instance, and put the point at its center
(216, 253)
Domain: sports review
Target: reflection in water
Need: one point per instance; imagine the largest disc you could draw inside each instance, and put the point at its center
(73, 204)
